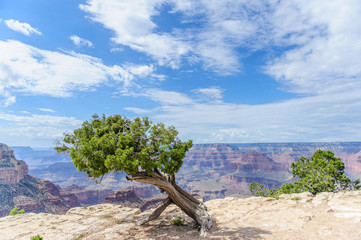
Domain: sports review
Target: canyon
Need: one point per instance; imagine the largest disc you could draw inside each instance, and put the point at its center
(209, 170)
(18, 188)
(32, 194)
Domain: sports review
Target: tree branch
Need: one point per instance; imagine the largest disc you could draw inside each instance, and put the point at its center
(157, 212)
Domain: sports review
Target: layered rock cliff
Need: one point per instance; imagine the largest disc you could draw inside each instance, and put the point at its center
(219, 170)
(11, 170)
(28, 192)
(88, 196)
(129, 198)
(212, 170)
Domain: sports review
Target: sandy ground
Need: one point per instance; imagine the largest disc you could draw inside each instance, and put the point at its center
(298, 216)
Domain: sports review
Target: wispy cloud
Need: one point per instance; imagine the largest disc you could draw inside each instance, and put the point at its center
(328, 47)
(315, 118)
(23, 28)
(161, 96)
(133, 25)
(29, 70)
(37, 119)
(211, 92)
(131, 21)
(78, 41)
(117, 49)
(46, 110)
(137, 110)
(41, 130)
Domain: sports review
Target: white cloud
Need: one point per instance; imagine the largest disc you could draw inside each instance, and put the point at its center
(312, 49)
(46, 110)
(23, 28)
(9, 100)
(161, 96)
(137, 110)
(117, 49)
(316, 118)
(78, 41)
(212, 92)
(37, 130)
(37, 120)
(328, 38)
(133, 25)
(131, 21)
(28, 70)
(144, 71)
(220, 28)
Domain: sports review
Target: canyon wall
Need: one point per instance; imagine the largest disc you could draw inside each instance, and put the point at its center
(11, 170)
(28, 192)
(209, 170)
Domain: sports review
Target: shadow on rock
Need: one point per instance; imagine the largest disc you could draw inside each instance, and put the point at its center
(165, 230)
(253, 233)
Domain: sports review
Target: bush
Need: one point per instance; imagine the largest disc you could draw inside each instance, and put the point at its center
(15, 211)
(178, 221)
(260, 190)
(37, 237)
(323, 173)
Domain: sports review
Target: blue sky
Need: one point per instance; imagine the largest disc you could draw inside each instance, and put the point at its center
(219, 71)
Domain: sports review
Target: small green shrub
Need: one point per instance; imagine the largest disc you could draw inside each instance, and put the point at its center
(260, 190)
(79, 236)
(37, 237)
(15, 211)
(178, 221)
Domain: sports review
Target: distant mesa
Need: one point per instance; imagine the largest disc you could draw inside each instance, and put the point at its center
(89, 196)
(129, 198)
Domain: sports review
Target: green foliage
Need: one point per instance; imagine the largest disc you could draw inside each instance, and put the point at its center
(37, 237)
(178, 221)
(260, 190)
(115, 143)
(323, 173)
(15, 211)
(79, 236)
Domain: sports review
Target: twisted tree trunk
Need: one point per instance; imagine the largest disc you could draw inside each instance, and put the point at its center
(185, 201)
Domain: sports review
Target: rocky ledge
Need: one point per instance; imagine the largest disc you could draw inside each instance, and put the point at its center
(296, 216)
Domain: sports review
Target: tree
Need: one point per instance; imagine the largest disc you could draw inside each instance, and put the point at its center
(146, 152)
(323, 173)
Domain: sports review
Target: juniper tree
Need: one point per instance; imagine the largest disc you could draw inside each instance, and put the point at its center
(146, 152)
(322, 173)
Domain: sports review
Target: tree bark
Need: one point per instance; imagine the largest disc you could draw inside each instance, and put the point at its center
(185, 201)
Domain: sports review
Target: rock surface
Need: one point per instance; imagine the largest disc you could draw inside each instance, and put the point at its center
(297, 216)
